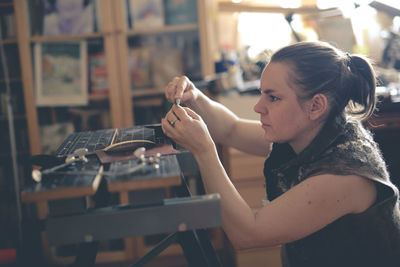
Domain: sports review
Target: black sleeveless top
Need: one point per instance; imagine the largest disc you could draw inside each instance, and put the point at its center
(370, 238)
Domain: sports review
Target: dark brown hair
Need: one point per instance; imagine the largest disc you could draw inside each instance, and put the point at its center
(348, 81)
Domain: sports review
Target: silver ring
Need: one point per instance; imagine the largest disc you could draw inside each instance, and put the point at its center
(172, 123)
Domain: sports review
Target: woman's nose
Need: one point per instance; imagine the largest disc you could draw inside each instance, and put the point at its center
(259, 107)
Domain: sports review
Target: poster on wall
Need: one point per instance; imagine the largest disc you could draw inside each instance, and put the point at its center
(146, 14)
(68, 17)
(139, 67)
(61, 74)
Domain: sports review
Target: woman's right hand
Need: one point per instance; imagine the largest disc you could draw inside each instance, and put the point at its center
(188, 129)
(181, 88)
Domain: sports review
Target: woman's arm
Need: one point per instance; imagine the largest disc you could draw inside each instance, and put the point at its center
(228, 129)
(304, 209)
(224, 126)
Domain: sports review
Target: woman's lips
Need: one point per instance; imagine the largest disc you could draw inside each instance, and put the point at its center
(264, 125)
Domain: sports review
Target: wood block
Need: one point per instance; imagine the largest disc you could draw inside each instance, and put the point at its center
(269, 256)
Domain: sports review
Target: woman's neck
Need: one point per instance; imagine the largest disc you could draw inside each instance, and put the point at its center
(300, 143)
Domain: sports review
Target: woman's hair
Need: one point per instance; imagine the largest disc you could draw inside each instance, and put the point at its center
(348, 81)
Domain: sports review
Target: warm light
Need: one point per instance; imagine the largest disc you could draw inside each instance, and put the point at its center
(345, 5)
(396, 24)
(261, 31)
(290, 3)
(362, 23)
(392, 3)
(310, 34)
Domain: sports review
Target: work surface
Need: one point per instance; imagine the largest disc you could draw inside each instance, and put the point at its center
(93, 165)
(128, 158)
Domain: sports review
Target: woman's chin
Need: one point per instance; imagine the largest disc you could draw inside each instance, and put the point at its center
(269, 138)
(273, 139)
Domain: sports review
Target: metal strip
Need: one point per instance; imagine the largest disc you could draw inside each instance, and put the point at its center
(179, 214)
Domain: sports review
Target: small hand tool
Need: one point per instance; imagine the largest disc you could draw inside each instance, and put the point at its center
(78, 155)
(139, 153)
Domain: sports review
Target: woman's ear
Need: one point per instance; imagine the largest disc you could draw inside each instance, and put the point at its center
(318, 107)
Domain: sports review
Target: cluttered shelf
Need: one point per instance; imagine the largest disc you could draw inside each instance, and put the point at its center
(164, 29)
(147, 92)
(16, 117)
(10, 41)
(266, 7)
(387, 115)
(385, 121)
(20, 153)
(6, 4)
(386, 118)
(137, 93)
(16, 79)
(64, 38)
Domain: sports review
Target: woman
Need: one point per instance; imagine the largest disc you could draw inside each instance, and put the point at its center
(331, 199)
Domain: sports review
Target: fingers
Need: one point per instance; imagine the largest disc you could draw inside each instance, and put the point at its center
(178, 112)
(181, 86)
(166, 127)
(170, 123)
(184, 113)
(172, 118)
(176, 88)
(170, 89)
(192, 114)
(178, 116)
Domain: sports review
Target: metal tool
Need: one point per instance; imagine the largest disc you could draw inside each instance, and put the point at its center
(139, 153)
(143, 161)
(78, 155)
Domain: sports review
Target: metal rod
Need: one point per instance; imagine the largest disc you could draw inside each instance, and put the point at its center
(156, 250)
(104, 173)
(13, 145)
(51, 170)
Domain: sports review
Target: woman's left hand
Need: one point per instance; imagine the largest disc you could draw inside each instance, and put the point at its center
(188, 130)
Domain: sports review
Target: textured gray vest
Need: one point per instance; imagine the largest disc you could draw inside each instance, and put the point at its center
(371, 238)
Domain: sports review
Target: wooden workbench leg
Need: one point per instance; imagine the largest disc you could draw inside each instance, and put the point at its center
(41, 207)
(130, 243)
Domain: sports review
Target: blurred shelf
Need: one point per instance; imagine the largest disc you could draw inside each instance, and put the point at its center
(267, 8)
(7, 4)
(65, 38)
(147, 92)
(16, 117)
(8, 154)
(165, 29)
(10, 40)
(11, 80)
(99, 97)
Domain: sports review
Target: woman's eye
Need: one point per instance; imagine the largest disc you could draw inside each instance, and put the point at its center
(273, 98)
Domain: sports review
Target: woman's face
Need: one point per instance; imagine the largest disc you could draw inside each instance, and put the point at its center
(282, 117)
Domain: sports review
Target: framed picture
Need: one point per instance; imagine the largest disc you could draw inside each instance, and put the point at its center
(68, 17)
(98, 74)
(146, 13)
(180, 12)
(61, 74)
(139, 67)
